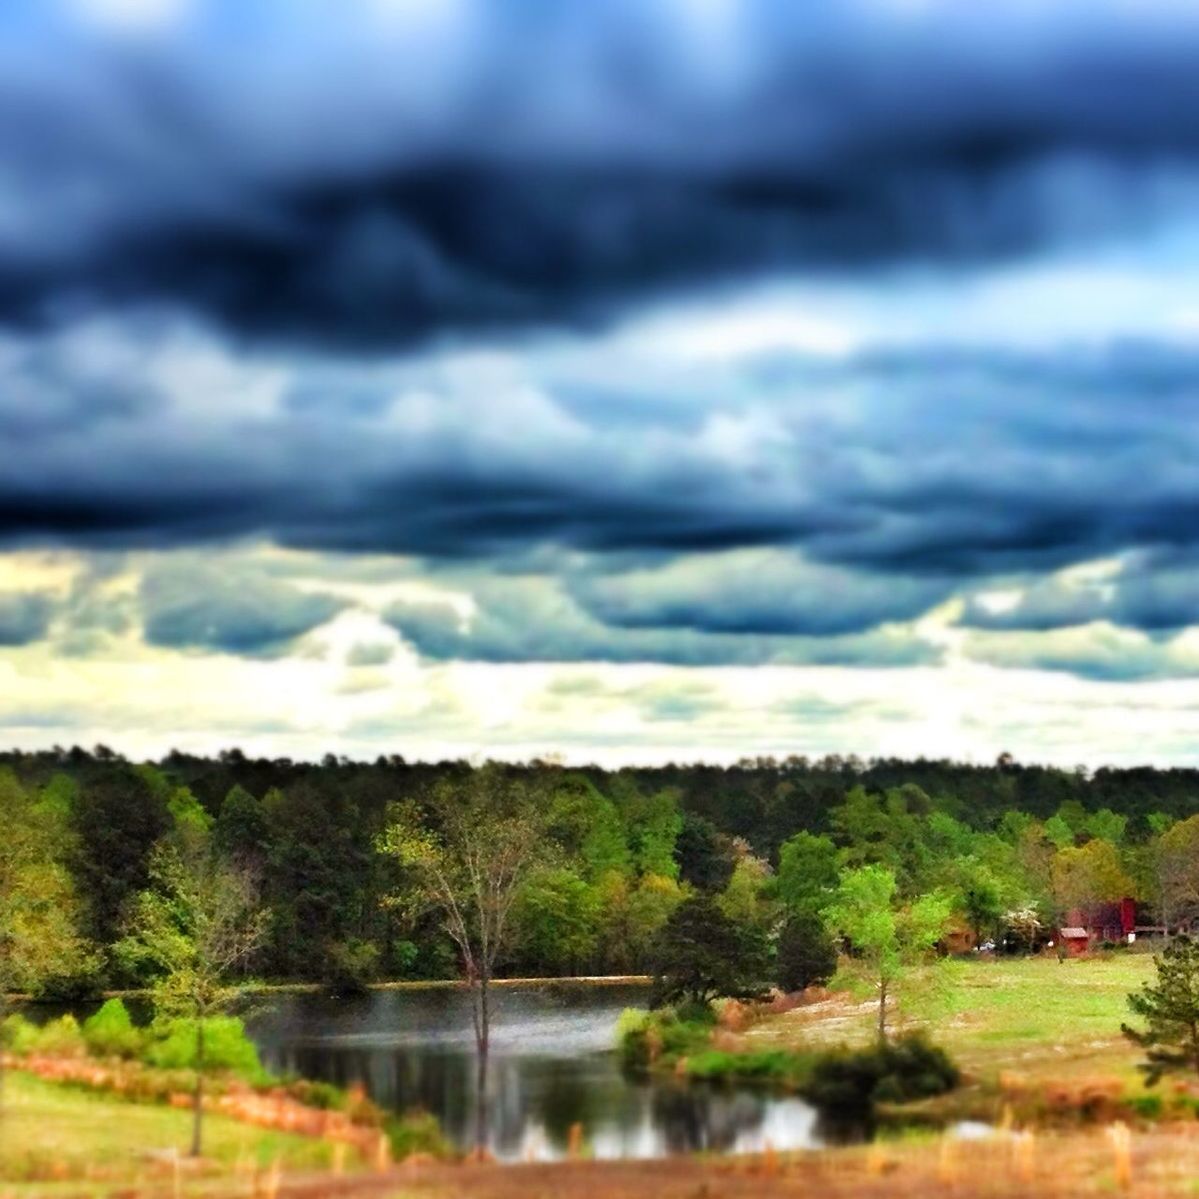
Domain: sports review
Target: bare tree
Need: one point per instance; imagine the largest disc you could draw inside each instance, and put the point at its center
(198, 921)
(466, 854)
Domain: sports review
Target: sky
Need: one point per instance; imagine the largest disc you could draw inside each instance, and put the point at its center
(615, 381)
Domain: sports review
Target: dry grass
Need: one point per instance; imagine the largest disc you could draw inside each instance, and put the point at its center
(1002, 1167)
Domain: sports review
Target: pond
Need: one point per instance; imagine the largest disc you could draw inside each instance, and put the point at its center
(552, 1066)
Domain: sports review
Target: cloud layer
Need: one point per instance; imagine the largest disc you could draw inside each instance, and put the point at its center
(516, 375)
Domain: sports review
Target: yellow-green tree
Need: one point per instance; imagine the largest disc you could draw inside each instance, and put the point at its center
(40, 939)
(886, 933)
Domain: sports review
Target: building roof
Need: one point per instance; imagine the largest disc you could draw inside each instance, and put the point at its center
(1073, 933)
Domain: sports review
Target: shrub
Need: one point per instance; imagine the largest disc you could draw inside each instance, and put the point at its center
(1148, 1106)
(632, 1036)
(110, 1032)
(416, 1132)
(226, 1046)
(18, 1035)
(318, 1094)
(806, 954)
(60, 1038)
(646, 1037)
(851, 1083)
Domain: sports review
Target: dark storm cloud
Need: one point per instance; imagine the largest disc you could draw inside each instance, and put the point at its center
(759, 592)
(1158, 596)
(946, 466)
(321, 175)
(533, 620)
(240, 611)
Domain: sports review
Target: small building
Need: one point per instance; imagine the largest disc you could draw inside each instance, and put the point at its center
(1076, 940)
(1086, 928)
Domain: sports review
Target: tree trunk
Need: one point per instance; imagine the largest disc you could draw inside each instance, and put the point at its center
(882, 1011)
(198, 1099)
(482, 1050)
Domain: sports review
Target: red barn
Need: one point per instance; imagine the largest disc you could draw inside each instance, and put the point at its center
(1087, 927)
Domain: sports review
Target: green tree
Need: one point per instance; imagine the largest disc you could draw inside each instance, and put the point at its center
(701, 954)
(197, 921)
(40, 941)
(654, 824)
(556, 916)
(467, 856)
(808, 872)
(1170, 1008)
(703, 854)
(806, 954)
(980, 898)
(887, 933)
(117, 819)
(1088, 874)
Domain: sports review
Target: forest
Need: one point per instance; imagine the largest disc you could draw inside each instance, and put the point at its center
(619, 851)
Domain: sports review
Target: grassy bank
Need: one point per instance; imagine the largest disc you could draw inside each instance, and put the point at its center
(50, 1132)
(1037, 1017)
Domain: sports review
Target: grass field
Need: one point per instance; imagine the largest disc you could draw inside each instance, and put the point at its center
(1037, 1017)
(62, 1135)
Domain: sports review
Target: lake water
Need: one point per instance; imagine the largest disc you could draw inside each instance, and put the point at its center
(552, 1065)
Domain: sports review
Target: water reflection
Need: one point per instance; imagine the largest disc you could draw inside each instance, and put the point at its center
(551, 1067)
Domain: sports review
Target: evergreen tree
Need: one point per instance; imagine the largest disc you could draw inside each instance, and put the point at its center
(1170, 1007)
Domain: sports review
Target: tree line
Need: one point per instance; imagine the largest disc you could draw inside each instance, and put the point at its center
(1006, 849)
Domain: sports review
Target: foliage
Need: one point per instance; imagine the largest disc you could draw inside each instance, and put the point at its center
(109, 1032)
(175, 1045)
(18, 1035)
(60, 1038)
(415, 1133)
(663, 1036)
(640, 839)
(701, 954)
(807, 873)
(40, 940)
(556, 918)
(467, 857)
(702, 854)
(850, 1083)
(353, 964)
(1087, 874)
(886, 932)
(197, 922)
(806, 954)
(781, 1067)
(1170, 1008)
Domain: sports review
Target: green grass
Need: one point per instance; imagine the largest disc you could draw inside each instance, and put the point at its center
(50, 1132)
(1037, 1017)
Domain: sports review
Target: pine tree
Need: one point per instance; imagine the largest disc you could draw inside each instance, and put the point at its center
(1171, 1009)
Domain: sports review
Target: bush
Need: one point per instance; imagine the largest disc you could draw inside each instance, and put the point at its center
(1149, 1107)
(647, 1037)
(806, 954)
(318, 1094)
(416, 1132)
(851, 1083)
(18, 1035)
(110, 1032)
(226, 1047)
(60, 1038)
